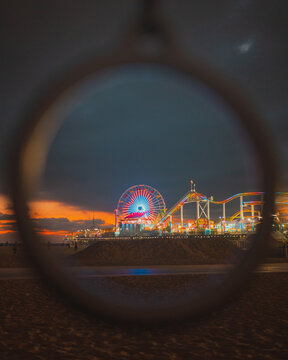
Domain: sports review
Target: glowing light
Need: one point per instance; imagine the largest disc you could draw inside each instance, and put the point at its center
(140, 202)
(245, 47)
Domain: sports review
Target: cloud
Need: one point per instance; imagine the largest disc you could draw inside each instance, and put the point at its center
(53, 218)
(7, 226)
(6, 216)
(64, 224)
(55, 209)
(7, 223)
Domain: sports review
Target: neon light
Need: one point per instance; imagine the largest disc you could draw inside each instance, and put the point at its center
(200, 197)
(140, 202)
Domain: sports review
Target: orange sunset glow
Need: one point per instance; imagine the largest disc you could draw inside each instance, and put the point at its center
(47, 209)
(4, 205)
(55, 209)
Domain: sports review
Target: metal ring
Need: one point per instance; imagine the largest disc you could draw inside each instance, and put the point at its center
(20, 182)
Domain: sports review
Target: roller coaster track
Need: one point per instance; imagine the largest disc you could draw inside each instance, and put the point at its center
(193, 196)
(239, 212)
(188, 196)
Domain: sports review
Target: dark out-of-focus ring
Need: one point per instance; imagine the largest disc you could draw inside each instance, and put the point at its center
(55, 275)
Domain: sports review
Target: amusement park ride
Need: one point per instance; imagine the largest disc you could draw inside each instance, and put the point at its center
(142, 208)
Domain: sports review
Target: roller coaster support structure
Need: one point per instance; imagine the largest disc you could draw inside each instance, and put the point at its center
(208, 214)
(241, 208)
(253, 214)
(224, 218)
(203, 211)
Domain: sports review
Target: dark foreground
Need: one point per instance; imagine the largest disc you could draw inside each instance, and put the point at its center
(36, 325)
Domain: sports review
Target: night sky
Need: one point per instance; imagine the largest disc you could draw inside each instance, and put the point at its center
(146, 125)
(150, 126)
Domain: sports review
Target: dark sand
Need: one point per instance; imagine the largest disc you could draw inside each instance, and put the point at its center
(9, 259)
(37, 325)
(161, 251)
(138, 253)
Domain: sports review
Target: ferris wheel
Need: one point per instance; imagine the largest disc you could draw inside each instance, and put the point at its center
(140, 202)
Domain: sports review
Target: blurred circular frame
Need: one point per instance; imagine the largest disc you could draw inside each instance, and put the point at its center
(29, 158)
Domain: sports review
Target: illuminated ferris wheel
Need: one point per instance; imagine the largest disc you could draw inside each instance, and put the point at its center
(142, 203)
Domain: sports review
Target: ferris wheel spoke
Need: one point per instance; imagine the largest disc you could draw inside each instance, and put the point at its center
(140, 204)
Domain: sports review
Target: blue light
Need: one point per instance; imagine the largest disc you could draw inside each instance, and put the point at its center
(140, 204)
(139, 271)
